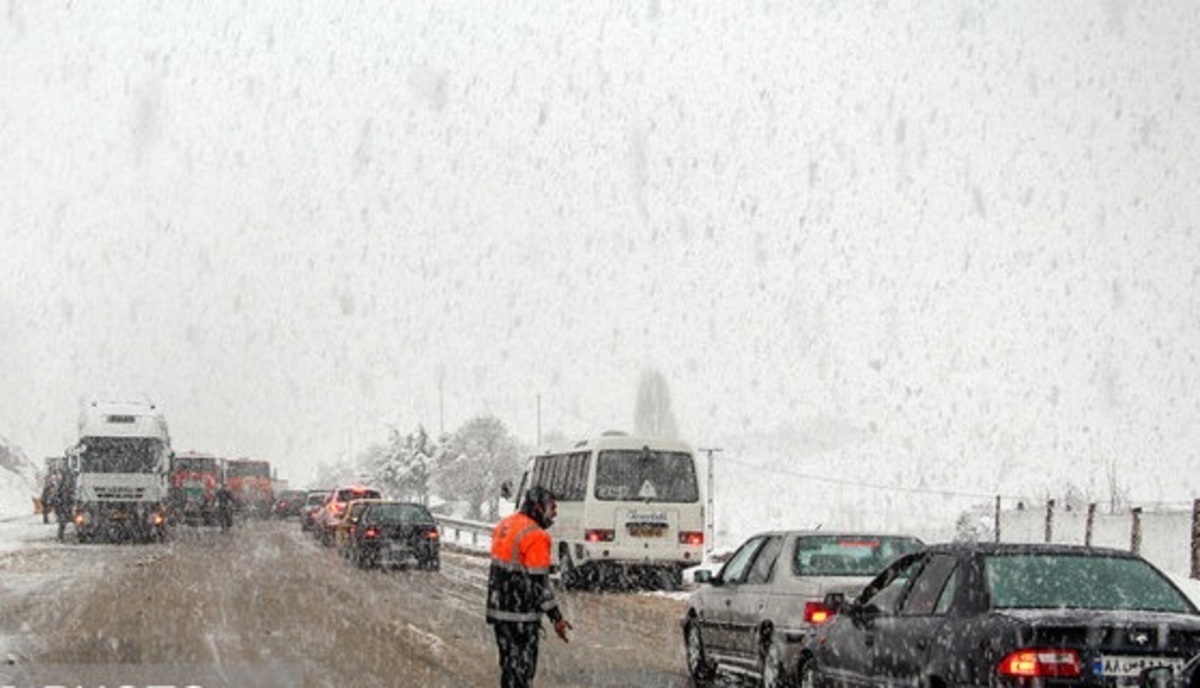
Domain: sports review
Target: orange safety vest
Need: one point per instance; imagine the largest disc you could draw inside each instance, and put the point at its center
(518, 581)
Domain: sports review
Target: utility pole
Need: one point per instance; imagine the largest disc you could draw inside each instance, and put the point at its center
(709, 522)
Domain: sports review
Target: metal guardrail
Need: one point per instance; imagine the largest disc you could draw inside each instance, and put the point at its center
(472, 536)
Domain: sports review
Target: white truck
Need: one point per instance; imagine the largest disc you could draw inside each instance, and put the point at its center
(121, 465)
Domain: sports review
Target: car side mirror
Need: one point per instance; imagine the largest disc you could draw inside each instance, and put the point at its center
(704, 576)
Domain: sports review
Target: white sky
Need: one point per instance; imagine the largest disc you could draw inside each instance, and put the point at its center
(953, 245)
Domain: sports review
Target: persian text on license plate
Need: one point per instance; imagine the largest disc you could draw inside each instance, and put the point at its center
(1123, 665)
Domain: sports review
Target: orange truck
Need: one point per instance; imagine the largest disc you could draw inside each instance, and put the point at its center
(250, 482)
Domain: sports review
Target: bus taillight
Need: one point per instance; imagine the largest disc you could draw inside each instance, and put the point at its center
(691, 537)
(599, 535)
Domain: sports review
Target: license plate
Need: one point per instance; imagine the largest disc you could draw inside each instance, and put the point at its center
(1132, 666)
(645, 530)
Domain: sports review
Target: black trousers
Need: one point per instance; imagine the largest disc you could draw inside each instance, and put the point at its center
(518, 645)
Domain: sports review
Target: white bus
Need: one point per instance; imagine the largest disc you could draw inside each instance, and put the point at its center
(630, 510)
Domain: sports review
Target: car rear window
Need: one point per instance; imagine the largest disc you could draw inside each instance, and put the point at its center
(357, 493)
(397, 513)
(1068, 581)
(848, 555)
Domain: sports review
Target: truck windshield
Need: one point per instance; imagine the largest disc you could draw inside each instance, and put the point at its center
(120, 455)
(195, 465)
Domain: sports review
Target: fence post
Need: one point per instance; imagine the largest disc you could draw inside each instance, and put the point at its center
(1049, 520)
(1196, 538)
(1135, 537)
(997, 518)
(1091, 525)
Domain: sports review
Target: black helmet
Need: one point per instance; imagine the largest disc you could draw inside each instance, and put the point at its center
(536, 505)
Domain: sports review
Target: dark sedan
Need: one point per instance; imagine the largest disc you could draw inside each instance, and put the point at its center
(1006, 615)
(395, 533)
(288, 503)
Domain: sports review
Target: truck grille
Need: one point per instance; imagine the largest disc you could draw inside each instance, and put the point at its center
(120, 493)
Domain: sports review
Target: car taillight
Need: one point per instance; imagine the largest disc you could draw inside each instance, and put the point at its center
(817, 613)
(1040, 663)
(691, 537)
(371, 533)
(599, 535)
(431, 534)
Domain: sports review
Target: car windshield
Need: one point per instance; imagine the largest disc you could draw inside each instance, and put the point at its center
(1069, 581)
(315, 499)
(848, 555)
(401, 513)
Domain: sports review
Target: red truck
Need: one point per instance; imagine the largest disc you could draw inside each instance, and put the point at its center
(192, 491)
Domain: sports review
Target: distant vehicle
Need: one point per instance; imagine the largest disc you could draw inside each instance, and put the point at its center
(392, 533)
(120, 464)
(1006, 615)
(314, 500)
(335, 503)
(630, 510)
(250, 481)
(193, 488)
(288, 503)
(753, 616)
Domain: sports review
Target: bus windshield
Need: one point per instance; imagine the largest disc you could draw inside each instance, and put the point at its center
(643, 475)
(120, 455)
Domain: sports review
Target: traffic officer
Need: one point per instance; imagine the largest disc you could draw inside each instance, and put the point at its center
(519, 589)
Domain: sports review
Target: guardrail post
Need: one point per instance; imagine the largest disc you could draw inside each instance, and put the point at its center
(1049, 520)
(1196, 538)
(996, 519)
(1091, 525)
(1135, 537)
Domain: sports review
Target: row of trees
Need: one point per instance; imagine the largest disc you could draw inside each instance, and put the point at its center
(464, 467)
(468, 465)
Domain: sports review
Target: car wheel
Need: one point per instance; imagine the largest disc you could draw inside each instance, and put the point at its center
(774, 674)
(699, 666)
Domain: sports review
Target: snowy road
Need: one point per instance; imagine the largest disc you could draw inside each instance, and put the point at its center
(264, 605)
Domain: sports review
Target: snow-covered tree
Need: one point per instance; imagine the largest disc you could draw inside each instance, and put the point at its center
(401, 466)
(478, 457)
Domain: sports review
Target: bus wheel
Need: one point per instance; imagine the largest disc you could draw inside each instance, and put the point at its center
(572, 576)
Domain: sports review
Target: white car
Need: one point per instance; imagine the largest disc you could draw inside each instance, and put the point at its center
(754, 615)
